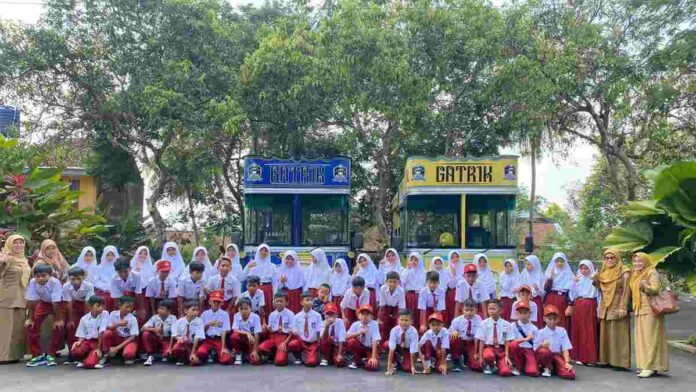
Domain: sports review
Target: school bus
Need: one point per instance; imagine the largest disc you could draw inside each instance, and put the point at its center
(464, 204)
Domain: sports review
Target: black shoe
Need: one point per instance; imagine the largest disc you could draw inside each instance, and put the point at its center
(456, 366)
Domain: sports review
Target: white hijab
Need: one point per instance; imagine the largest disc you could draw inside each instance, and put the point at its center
(459, 271)
(177, 260)
(236, 264)
(584, 288)
(209, 271)
(106, 269)
(91, 269)
(510, 282)
(564, 276)
(370, 273)
(485, 275)
(340, 282)
(444, 273)
(147, 269)
(295, 276)
(319, 271)
(386, 267)
(264, 268)
(535, 278)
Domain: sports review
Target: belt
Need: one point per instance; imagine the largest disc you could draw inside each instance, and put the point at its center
(265, 283)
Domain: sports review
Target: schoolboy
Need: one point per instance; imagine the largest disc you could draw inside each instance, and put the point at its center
(256, 297)
(216, 323)
(127, 283)
(321, 298)
(226, 282)
(191, 287)
(156, 334)
(121, 336)
(187, 335)
(90, 331)
(390, 299)
(553, 346)
(431, 299)
(333, 338)
(280, 327)
(354, 298)
(76, 294)
(494, 337)
(522, 347)
(403, 345)
(44, 295)
(306, 325)
(161, 286)
(462, 338)
(471, 288)
(363, 340)
(435, 343)
(246, 328)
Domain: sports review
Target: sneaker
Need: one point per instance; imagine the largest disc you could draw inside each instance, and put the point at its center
(143, 357)
(79, 365)
(129, 362)
(148, 361)
(179, 364)
(645, 373)
(298, 361)
(456, 366)
(427, 365)
(487, 370)
(39, 360)
(69, 362)
(210, 359)
(546, 373)
(449, 357)
(238, 360)
(352, 366)
(103, 362)
(515, 372)
(324, 362)
(579, 363)
(51, 360)
(165, 359)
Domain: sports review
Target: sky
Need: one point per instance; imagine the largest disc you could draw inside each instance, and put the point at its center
(555, 173)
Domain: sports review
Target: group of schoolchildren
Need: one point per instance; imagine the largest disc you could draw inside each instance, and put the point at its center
(324, 316)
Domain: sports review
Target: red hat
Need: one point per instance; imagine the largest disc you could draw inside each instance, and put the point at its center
(437, 317)
(525, 287)
(470, 268)
(330, 308)
(550, 309)
(523, 305)
(163, 265)
(365, 308)
(217, 295)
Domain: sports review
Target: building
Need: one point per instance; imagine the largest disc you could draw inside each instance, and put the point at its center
(543, 229)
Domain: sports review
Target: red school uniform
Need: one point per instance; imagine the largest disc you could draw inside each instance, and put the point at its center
(46, 296)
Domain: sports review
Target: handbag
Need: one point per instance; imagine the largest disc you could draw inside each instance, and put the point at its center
(664, 302)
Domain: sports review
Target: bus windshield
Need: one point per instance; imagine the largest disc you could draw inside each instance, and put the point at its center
(324, 220)
(268, 219)
(432, 221)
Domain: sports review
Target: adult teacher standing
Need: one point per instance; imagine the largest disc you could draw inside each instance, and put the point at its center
(15, 273)
(614, 323)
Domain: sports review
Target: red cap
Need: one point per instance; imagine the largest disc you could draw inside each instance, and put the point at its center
(163, 265)
(437, 317)
(523, 305)
(330, 308)
(217, 295)
(470, 268)
(550, 309)
(365, 308)
(525, 287)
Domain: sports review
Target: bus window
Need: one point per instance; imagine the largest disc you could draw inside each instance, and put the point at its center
(490, 221)
(432, 221)
(268, 219)
(324, 220)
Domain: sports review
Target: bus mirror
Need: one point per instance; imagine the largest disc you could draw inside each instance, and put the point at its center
(357, 242)
(236, 238)
(396, 243)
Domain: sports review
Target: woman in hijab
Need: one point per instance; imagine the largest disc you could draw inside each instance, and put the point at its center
(533, 277)
(200, 254)
(50, 255)
(142, 264)
(455, 271)
(413, 280)
(291, 279)
(509, 282)
(366, 268)
(614, 324)
(15, 274)
(171, 253)
(389, 263)
(485, 275)
(105, 271)
(232, 252)
(319, 272)
(583, 315)
(651, 344)
(262, 267)
(340, 281)
(559, 279)
(87, 261)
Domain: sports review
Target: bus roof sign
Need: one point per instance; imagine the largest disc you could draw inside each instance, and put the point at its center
(261, 172)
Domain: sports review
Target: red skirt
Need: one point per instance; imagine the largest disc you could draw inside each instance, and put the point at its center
(506, 307)
(450, 304)
(584, 336)
(373, 298)
(412, 305)
(267, 289)
(295, 300)
(561, 302)
(539, 322)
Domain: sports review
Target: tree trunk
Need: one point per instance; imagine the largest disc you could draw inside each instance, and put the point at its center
(192, 213)
(532, 194)
(157, 220)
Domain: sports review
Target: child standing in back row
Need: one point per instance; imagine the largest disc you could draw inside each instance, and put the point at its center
(191, 286)
(583, 316)
(391, 299)
(354, 298)
(76, 293)
(160, 286)
(470, 288)
(431, 299)
(43, 296)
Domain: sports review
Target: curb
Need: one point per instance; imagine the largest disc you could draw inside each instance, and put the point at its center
(681, 345)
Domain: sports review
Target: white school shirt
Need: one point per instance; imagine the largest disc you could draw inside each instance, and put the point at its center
(410, 340)
(411, 280)
(285, 317)
(528, 329)
(313, 321)
(337, 330)
(82, 293)
(478, 292)
(442, 337)
(90, 327)
(349, 299)
(557, 336)
(532, 311)
(453, 280)
(258, 301)
(130, 329)
(166, 324)
(52, 291)
(152, 290)
(485, 332)
(251, 324)
(219, 315)
(427, 298)
(190, 290)
(233, 287)
(461, 325)
(189, 330)
(387, 298)
(371, 336)
(132, 284)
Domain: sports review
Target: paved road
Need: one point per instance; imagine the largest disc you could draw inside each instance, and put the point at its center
(168, 378)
